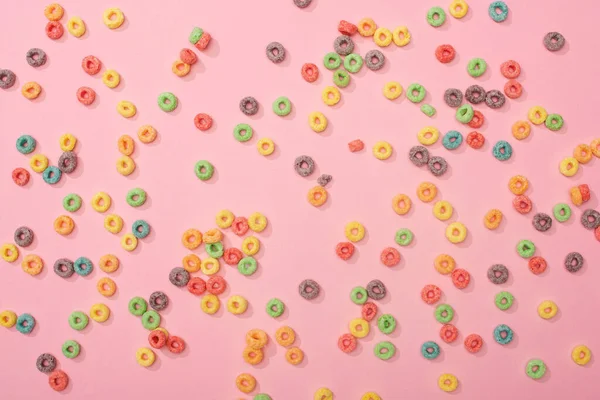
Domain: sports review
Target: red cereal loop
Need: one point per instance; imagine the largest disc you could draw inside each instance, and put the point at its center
(461, 278)
(597, 233)
(347, 28)
(188, 56)
(20, 176)
(196, 286)
(513, 89)
(431, 294)
(369, 311)
(585, 192)
(157, 339)
(240, 226)
(86, 95)
(510, 69)
(445, 53)
(232, 256)
(310, 72)
(54, 30)
(522, 204)
(58, 380)
(475, 140)
(175, 344)
(203, 121)
(344, 250)
(390, 257)
(477, 121)
(204, 41)
(216, 285)
(473, 343)
(537, 265)
(347, 343)
(91, 65)
(356, 145)
(448, 333)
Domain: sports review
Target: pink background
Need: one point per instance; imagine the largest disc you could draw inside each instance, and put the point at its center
(300, 240)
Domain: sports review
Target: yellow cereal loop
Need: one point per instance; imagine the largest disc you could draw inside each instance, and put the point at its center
(392, 90)
(521, 130)
(518, 184)
(265, 147)
(237, 305)
(9, 252)
(401, 36)
(382, 37)
(38, 163)
(106, 287)
(537, 115)
(109, 263)
(569, 166)
(370, 396)
(191, 263)
(317, 121)
(76, 26)
(67, 142)
(210, 304)
(354, 231)
(576, 196)
(547, 309)
(443, 210)
(31, 90)
(426, 191)
(225, 218)
(212, 236)
(492, 219)
(54, 12)
(595, 147)
(581, 354)
(129, 242)
(145, 357)
(126, 145)
(113, 223)
(382, 150)
(32, 264)
(444, 264)
(180, 68)
(99, 312)
(250, 246)
(101, 202)
(111, 78)
(146, 134)
(163, 330)
(428, 135)
(448, 382)
(583, 153)
(317, 196)
(125, 165)
(366, 27)
(113, 18)
(323, 394)
(456, 232)
(8, 319)
(210, 266)
(401, 204)
(331, 95)
(245, 383)
(126, 108)
(458, 8)
(359, 328)
(257, 222)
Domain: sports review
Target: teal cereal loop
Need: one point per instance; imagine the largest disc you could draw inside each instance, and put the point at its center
(384, 350)
(428, 110)
(78, 320)
(25, 323)
(476, 67)
(72, 202)
(196, 35)
(275, 308)
(495, 7)
(436, 16)
(502, 150)
(562, 212)
(247, 266)
(430, 350)
(504, 300)
(71, 349)
(242, 132)
(136, 197)
(452, 140)
(464, 113)
(167, 101)
(151, 320)
(332, 60)
(278, 109)
(341, 78)
(140, 229)
(536, 369)
(386, 324)
(554, 122)
(359, 295)
(204, 170)
(26, 144)
(137, 306)
(83, 266)
(419, 96)
(353, 63)
(444, 313)
(503, 334)
(404, 237)
(52, 175)
(526, 248)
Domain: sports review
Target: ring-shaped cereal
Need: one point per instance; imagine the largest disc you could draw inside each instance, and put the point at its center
(180, 68)
(250, 246)
(419, 89)
(331, 95)
(569, 166)
(64, 225)
(67, 142)
(216, 285)
(101, 202)
(126, 108)
(390, 257)
(537, 115)
(445, 53)
(444, 313)
(31, 90)
(359, 328)
(444, 264)
(458, 8)
(344, 250)
(76, 26)
(401, 204)
(456, 232)
(265, 146)
(146, 134)
(431, 294)
(547, 309)
(595, 147)
(212, 236)
(157, 339)
(58, 380)
(126, 145)
(492, 219)
(522, 204)
(576, 196)
(191, 263)
(237, 305)
(256, 338)
(448, 333)
(436, 16)
(477, 120)
(99, 312)
(340, 78)
(521, 130)
(252, 356)
(202, 121)
(473, 343)
(332, 60)
(196, 286)
(513, 89)
(536, 369)
(8, 319)
(9, 252)
(240, 226)
(113, 18)
(106, 287)
(111, 78)
(347, 344)
(401, 36)
(317, 121)
(257, 222)
(246, 383)
(392, 90)
(109, 263)
(285, 336)
(518, 184)
(382, 150)
(443, 210)
(461, 278)
(382, 37)
(145, 357)
(323, 394)
(191, 239)
(310, 72)
(20, 176)
(91, 65)
(581, 355)
(224, 219)
(583, 153)
(370, 396)
(167, 101)
(129, 242)
(210, 304)
(294, 355)
(317, 196)
(54, 30)
(354, 231)
(448, 382)
(366, 27)
(113, 223)
(32, 264)
(125, 165)
(210, 266)
(426, 191)
(537, 265)
(54, 12)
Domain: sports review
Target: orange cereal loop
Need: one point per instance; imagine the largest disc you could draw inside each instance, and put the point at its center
(54, 12)
(256, 338)
(366, 27)
(126, 145)
(109, 263)
(106, 287)
(212, 236)
(146, 134)
(31, 90)
(444, 264)
(595, 147)
(492, 219)
(252, 356)
(285, 336)
(180, 68)
(518, 184)
(576, 196)
(583, 153)
(401, 204)
(32, 264)
(192, 238)
(246, 383)
(426, 192)
(294, 356)
(191, 263)
(317, 196)
(521, 130)
(64, 225)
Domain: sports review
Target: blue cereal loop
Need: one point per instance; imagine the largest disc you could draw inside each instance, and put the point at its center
(25, 144)
(503, 329)
(497, 150)
(503, 11)
(435, 350)
(51, 175)
(452, 144)
(25, 329)
(83, 266)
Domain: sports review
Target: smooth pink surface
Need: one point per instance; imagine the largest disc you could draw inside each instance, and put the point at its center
(300, 240)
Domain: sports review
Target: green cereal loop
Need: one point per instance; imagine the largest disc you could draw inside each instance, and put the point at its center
(356, 299)
(247, 266)
(341, 78)
(75, 348)
(332, 60)
(246, 136)
(275, 308)
(541, 369)
(421, 92)
(441, 310)
(526, 248)
(196, 35)
(433, 11)
(464, 113)
(78, 320)
(151, 320)
(389, 353)
(262, 396)
(476, 67)
(562, 212)
(557, 124)
(25, 144)
(386, 324)
(287, 106)
(428, 110)
(72, 202)
(162, 101)
(358, 63)
(137, 306)
(204, 170)
(404, 237)
(504, 300)
(131, 197)
(215, 250)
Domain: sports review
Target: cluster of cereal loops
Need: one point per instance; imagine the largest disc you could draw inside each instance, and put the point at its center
(57, 379)
(419, 155)
(126, 146)
(518, 185)
(446, 265)
(305, 166)
(582, 154)
(355, 232)
(91, 65)
(286, 336)
(32, 264)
